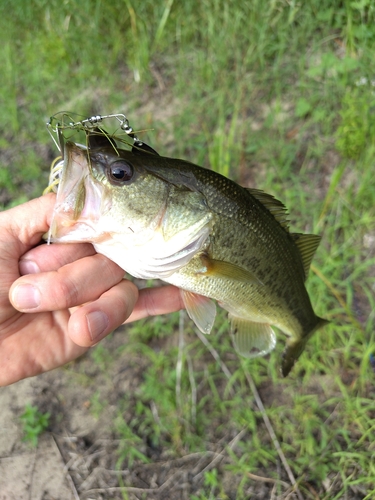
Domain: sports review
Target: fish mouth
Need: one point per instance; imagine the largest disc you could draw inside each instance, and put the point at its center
(80, 199)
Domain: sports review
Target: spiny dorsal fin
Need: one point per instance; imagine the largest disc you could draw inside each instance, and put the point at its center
(277, 209)
(306, 244)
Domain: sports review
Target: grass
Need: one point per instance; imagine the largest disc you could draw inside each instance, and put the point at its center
(277, 95)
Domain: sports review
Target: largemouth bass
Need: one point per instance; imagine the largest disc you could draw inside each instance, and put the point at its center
(166, 218)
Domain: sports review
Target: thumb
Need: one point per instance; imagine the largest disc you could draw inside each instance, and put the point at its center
(22, 227)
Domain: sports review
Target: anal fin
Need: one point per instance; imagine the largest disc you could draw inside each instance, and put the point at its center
(252, 339)
(200, 309)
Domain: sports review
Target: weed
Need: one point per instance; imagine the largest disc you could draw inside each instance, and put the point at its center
(97, 404)
(356, 132)
(34, 423)
(130, 445)
(101, 357)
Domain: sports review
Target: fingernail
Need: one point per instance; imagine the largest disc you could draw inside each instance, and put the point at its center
(26, 297)
(97, 323)
(28, 267)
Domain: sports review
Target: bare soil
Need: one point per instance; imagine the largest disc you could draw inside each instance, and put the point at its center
(76, 457)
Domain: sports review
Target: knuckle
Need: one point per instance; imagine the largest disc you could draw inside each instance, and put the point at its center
(149, 302)
(66, 293)
(110, 269)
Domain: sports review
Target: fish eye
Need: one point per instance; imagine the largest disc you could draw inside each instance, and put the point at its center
(121, 171)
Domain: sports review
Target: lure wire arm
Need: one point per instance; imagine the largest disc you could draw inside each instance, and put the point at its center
(55, 128)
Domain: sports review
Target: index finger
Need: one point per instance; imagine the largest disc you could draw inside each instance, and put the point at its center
(51, 257)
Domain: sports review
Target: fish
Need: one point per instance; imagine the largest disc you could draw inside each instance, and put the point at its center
(169, 219)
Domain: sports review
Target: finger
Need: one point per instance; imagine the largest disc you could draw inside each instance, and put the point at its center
(51, 257)
(92, 322)
(69, 286)
(155, 301)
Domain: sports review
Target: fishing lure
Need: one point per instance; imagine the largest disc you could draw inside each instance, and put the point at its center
(60, 123)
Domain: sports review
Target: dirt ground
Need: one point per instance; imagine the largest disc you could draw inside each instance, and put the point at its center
(41, 473)
(76, 457)
(75, 442)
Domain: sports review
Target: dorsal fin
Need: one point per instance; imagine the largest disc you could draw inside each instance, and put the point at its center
(306, 244)
(277, 209)
(143, 148)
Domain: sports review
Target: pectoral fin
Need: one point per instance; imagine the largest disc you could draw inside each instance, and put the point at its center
(252, 339)
(226, 270)
(200, 309)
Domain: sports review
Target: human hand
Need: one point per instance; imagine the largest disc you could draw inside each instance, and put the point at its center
(41, 326)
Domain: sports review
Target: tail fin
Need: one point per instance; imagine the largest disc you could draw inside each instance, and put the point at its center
(295, 348)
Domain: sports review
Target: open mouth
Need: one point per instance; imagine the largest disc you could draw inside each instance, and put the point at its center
(79, 199)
